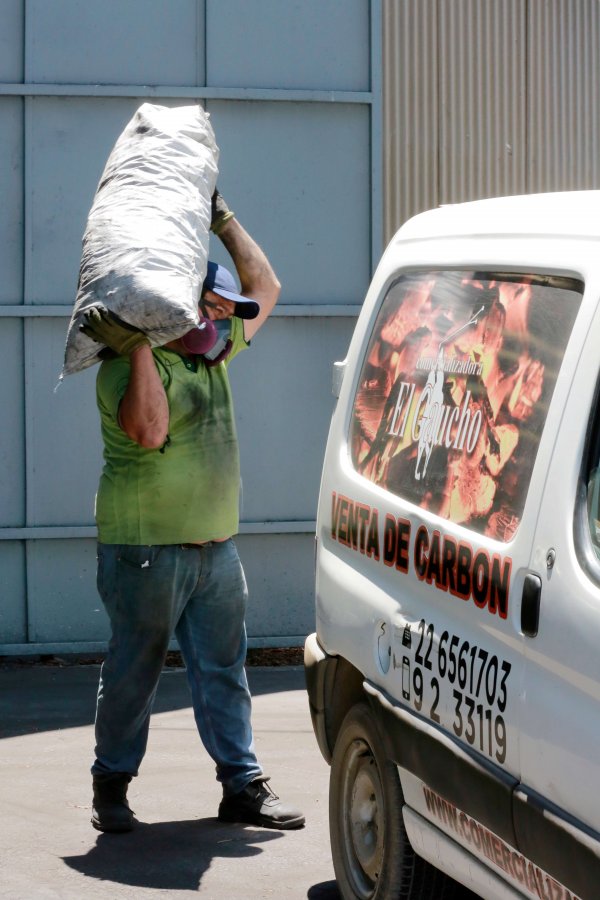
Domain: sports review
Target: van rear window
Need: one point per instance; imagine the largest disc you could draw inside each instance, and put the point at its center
(455, 389)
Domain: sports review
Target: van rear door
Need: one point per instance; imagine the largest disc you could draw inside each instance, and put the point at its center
(436, 504)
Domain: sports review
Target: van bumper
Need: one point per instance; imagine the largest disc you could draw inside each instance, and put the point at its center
(319, 670)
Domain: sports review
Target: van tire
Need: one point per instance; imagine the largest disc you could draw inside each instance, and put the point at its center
(372, 856)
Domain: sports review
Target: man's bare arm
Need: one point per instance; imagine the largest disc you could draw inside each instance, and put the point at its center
(257, 278)
(144, 409)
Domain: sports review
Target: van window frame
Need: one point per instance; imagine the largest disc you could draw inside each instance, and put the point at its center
(496, 270)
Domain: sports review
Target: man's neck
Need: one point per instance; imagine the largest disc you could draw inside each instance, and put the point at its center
(177, 347)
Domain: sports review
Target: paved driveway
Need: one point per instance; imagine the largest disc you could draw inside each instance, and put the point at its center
(48, 849)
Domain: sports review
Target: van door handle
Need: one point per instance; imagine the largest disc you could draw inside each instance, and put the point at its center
(530, 605)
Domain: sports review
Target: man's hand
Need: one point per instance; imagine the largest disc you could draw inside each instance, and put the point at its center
(221, 214)
(105, 327)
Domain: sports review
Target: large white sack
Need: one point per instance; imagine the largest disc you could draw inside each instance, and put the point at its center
(145, 246)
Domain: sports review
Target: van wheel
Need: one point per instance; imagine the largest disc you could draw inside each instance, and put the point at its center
(372, 857)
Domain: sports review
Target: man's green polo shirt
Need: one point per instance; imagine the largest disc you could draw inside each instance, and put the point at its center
(187, 491)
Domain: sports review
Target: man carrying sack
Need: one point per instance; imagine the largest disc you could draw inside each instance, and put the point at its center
(166, 508)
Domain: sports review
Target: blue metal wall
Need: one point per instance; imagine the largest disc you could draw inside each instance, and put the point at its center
(293, 89)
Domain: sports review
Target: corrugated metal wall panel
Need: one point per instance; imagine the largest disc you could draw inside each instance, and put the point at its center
(11, 207)
(410, 98)
(482, 99)
(488, 98)
(454, 103)
(564, 89)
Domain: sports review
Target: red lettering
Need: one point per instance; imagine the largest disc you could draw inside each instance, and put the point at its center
(531, 878)
(335, 514)
(428, 799)
(364, 515)
(402, 545)
(373, 538)
(539, 884)
(487, 844)
(506, 860)
(353, 525)
(350, 522)
(390, 539)
(438, 559)
(433, 563)
(464, 825)
(463, 571)
(421, 546)
(343, 521)
(519, 867)
(496, 852)
(449, 565)
(396, 537)
(499, 583)
(475, 836)
(480, 578)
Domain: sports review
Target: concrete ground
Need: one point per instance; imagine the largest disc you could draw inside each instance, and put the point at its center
(48, 848)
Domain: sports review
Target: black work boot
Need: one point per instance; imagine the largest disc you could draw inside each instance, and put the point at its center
(257, 804)
(110, 809)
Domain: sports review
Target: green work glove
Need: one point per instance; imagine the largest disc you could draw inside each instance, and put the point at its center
(221, 214)
(105, 327)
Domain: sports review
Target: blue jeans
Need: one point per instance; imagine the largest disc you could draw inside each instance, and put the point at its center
(199, 594)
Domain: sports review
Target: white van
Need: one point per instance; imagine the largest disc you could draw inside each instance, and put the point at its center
(454, 677)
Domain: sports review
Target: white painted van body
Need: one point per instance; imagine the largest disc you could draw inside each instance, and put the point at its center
(458, 560)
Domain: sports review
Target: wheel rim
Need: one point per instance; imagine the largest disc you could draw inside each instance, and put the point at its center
(363, 819)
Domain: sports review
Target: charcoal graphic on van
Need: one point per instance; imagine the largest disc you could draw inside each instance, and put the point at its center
(455, 388)
(436, 419)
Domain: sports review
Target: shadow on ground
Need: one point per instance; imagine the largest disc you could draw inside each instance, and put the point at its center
(326, 890)
(168, 855)
(45, 698)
